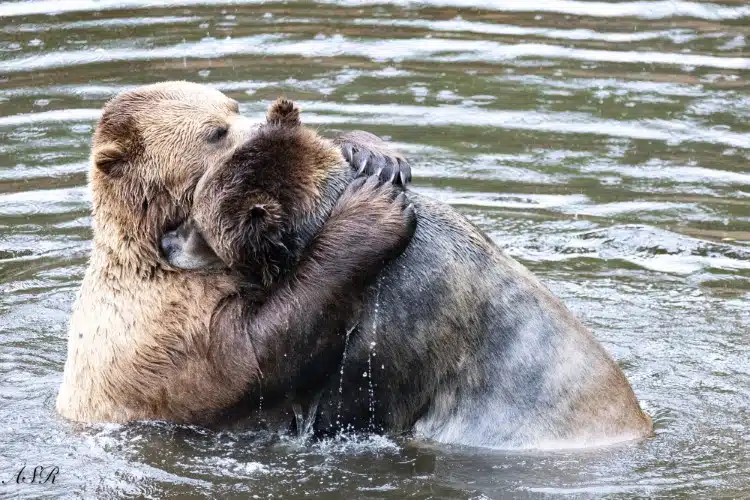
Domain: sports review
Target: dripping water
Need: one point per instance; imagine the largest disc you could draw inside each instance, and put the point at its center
(341, 377)
(373, 343)
(653, 163)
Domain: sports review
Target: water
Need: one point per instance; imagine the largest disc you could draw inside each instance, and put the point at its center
(370, 355)
(604, 144)
(341, 376)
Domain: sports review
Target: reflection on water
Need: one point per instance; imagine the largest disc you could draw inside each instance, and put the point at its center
(604, 144)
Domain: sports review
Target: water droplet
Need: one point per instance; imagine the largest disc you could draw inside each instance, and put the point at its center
(341, 378)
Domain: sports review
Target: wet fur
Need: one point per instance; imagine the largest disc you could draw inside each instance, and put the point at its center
(465, 346)
(149, 341)
(456, 341)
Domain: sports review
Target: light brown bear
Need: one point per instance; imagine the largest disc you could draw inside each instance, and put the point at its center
(456, 342)
(148, 341)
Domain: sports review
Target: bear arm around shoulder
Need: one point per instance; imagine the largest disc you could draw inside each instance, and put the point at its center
(368, 154)
(307, 314)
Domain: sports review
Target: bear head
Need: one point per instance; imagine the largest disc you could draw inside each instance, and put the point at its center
(257, 210)
(150, 148)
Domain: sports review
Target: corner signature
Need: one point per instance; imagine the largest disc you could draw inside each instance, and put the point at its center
(38, 475)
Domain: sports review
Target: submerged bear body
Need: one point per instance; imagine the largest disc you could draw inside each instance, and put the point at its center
(462, 344)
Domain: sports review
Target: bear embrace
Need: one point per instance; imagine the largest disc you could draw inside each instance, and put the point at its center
(278, 261)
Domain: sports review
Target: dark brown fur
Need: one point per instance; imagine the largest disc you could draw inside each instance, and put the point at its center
(459, 342)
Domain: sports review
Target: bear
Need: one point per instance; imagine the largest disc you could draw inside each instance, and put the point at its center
(149, 341)
(456, 342)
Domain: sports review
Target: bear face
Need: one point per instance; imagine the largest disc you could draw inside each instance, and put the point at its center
(259, 208)
(257, 212)
(150, 148)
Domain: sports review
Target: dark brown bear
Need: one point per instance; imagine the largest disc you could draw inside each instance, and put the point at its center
(456, 341)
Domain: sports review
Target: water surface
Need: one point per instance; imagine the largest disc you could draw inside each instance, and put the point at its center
(604, 144)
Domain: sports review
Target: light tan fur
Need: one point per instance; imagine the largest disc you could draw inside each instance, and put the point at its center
(139, 343)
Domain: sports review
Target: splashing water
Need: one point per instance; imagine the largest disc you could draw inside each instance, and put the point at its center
(299, 417)
(305, 422)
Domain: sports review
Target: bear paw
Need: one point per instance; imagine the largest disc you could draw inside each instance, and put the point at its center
(369, 155)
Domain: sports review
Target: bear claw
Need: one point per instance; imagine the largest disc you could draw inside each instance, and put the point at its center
(368, 154)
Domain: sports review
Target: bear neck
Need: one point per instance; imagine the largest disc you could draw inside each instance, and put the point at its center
(305, 226)
(330, 189)
(127, 231)
(124, 252)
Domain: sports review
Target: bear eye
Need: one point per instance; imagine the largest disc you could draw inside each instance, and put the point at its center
(218, 134)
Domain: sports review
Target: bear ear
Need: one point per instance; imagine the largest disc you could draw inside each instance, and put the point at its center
(116, 137)
(283, 112)
(109, 158)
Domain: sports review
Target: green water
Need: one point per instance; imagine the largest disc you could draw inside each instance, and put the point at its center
(604, 144)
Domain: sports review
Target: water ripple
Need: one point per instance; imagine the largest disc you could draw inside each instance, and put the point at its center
(435, 49)
(658, 9)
